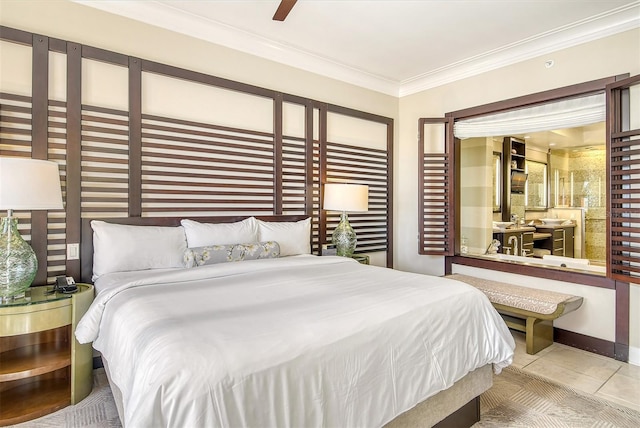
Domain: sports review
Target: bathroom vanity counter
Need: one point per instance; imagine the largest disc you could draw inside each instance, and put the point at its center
(515, 229)
(553, 227)
(561, 239)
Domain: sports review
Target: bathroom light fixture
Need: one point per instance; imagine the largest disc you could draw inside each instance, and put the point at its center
(345, 197)
(25, 184)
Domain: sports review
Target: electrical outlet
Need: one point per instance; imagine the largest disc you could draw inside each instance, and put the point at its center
(73, 251)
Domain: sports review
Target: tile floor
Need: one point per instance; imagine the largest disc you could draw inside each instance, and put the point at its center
(584, 371)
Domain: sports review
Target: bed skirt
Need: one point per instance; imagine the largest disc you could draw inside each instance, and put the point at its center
(426, 414)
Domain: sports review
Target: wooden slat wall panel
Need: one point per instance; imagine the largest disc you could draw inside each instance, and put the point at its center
(56, 219)
(15, 125)
(361, 165)
(294, 175)
(202, 169)
(126, 163)
(105, 162)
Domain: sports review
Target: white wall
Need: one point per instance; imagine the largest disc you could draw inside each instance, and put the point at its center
(614, 55)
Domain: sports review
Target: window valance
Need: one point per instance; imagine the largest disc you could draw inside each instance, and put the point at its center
(567, 113)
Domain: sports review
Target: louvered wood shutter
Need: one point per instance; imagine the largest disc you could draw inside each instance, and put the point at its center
(436, 191)
(623, 129)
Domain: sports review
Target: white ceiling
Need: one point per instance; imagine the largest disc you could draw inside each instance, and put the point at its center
(396, 47)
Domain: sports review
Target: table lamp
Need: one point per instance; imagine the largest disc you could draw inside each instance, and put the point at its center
(345, 197)
(25, 184)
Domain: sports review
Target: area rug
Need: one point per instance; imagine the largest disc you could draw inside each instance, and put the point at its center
(520, 399)
(517, 399)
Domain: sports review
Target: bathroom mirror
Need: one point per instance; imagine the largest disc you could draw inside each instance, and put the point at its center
(566, 172)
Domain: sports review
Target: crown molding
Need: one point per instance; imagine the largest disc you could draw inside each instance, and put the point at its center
(167, 17)
(615, 21)
(162, 15)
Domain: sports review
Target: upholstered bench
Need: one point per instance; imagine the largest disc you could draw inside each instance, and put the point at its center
(526, 309)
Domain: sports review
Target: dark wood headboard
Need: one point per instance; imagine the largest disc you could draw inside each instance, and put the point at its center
(86, 238)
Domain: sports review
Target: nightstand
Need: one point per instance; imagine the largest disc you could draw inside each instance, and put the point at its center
(42, 366)
(361, 258)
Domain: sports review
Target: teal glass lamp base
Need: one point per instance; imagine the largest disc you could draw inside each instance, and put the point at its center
(18, 262)
(344, 237)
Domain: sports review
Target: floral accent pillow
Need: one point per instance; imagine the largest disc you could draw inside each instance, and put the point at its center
(212, 254)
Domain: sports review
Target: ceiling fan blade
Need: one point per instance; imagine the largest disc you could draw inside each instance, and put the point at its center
(283, 10)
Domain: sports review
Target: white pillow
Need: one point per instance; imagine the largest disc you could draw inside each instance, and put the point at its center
(293, 237)
(204, 234)
(123, 248)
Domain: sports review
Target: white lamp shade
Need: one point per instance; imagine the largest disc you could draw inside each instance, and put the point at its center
(346, 197)
(29, 184)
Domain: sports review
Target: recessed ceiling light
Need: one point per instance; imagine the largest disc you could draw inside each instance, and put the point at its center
(527, 136)
(552, 144)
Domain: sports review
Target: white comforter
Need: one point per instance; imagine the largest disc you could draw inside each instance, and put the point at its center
(297, 341)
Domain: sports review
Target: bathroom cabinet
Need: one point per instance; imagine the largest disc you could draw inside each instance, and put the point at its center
(516, 242)
(561, 241)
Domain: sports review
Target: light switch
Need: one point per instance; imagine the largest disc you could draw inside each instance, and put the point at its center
(73, 251)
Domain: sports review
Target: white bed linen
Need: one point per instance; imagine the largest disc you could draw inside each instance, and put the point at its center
(298, 341)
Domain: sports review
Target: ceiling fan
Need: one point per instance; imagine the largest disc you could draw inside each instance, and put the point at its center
(283, 10)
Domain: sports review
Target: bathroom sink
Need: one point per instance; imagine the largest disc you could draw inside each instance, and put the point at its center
(502, 224)
(553, 221)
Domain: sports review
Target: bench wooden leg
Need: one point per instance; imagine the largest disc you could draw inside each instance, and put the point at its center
(539, 334)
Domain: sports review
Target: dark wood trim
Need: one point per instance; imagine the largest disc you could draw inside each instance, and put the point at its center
(588, 343)
(39, 144)
(455, 178)
(521, 269)
(420, 168)
(40, 97)
(295, 99)
(622, 320)
(135, 137)
(207, 79)
(346, 111)
(16, 36)
(576, 90)
(389, 201)
(73, 173)
(452, 214)
(102, 55)
(309, 181)
(277, 154)
(322, 123)
(465, 416)
(58, 45)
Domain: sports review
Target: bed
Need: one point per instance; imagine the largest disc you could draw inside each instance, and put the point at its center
(287, 340)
